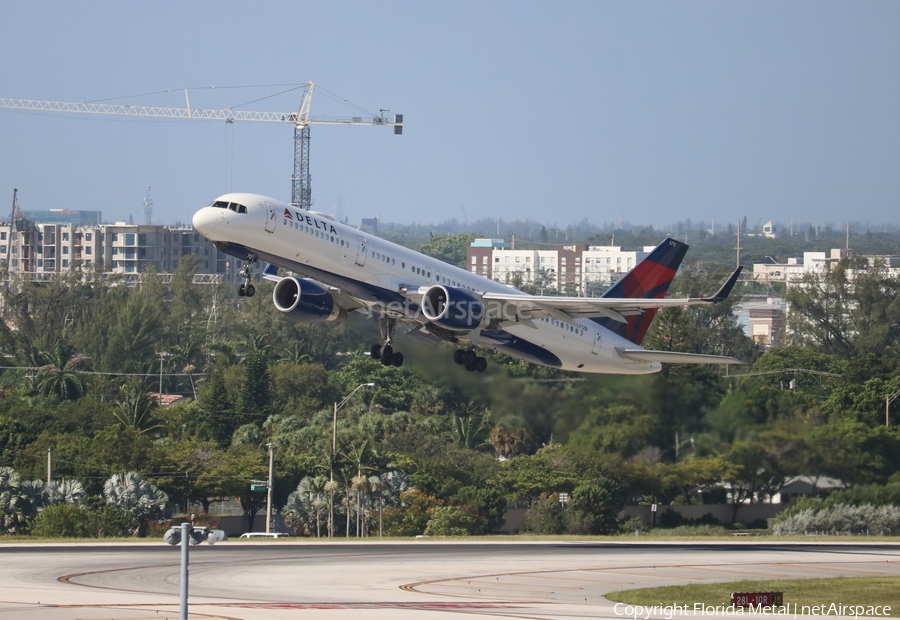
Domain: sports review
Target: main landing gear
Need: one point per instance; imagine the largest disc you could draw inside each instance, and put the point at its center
(470, 360)
(386, 352)
(246, 289)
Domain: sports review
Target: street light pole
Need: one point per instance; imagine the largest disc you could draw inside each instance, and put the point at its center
(269, 487)
(337, 406)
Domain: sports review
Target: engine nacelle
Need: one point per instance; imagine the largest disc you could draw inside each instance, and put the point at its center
(453, 308)
(306, 300)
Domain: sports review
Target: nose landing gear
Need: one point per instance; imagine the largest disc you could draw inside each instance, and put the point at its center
(246, 289)
(470, 360)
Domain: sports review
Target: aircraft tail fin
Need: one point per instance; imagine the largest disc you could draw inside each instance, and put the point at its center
(650, 279)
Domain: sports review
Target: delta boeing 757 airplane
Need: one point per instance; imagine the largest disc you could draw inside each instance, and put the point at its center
(338, 269)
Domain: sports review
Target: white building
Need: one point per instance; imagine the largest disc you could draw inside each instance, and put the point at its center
(33, 248)
(576, 268)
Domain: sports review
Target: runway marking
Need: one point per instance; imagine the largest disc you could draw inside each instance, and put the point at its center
(157, 607)
(439, 587)
(832, 568)
(729, 570)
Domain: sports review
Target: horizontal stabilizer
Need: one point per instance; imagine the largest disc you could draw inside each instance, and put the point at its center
(673, 357)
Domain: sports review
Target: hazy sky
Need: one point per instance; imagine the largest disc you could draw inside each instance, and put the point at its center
(556, 111)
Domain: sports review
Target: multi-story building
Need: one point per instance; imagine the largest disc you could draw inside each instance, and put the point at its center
(27, 247)
(575, 268)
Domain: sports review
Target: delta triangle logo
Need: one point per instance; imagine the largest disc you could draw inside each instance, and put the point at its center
(287, 215)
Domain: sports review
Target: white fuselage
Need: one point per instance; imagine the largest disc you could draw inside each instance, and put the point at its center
(317, 247)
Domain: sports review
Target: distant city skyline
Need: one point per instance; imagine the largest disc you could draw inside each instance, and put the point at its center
(91, 217)
(555, 112)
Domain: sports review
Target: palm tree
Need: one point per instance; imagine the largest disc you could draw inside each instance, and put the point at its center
(65, 492)
(58, 376)
(134, 407)
(304, 506)
(297, 354)
(133, 494)
(330, 487)
(185, 354)
(20, 500)
(360, 457)
(386, 489)
(360, 484)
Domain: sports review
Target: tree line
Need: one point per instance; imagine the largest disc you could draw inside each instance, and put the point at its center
(429, 448)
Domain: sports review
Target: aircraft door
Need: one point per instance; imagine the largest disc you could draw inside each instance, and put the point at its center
(598, 337)
(271, 216)
(361, 251)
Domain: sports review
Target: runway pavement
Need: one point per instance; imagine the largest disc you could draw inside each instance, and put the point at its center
(408, 580)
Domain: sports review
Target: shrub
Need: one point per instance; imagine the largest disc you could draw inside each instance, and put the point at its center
(628, 526)
(93, 519)
(62, 521)
(451, 521)
(840, 519)
(546, 517)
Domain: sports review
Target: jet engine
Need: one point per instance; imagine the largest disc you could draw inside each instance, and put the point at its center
(453, 308)
(306, 300)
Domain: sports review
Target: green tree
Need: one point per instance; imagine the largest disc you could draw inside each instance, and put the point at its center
(593, 506)
(59, 377)
(255, 396)
(450, 249)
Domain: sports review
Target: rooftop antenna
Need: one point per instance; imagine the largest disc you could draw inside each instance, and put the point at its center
(148, 208)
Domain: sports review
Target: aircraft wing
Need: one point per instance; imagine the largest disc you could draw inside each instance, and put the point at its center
(672, 357)
(517, 306)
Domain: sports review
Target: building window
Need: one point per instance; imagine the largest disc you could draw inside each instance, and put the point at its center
(474, 259)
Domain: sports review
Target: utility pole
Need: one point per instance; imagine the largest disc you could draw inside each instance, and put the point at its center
(49, 467)
(269, 488)
(162, 357)
(887, 408)
(739, 243)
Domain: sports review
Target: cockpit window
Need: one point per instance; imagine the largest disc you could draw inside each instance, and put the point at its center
(231, 206)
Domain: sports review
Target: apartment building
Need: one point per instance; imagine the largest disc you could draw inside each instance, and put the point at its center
(27, 247)
(574, 268)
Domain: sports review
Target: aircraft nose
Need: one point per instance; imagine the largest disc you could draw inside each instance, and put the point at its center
(205, 220)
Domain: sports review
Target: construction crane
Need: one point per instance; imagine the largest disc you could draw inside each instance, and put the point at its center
(301, 186)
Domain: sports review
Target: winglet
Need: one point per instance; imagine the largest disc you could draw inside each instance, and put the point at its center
(723, 293)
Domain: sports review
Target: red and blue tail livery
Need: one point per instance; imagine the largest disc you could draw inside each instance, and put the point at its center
(650, 279)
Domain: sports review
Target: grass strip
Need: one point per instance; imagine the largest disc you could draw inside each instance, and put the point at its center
(851, 591)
